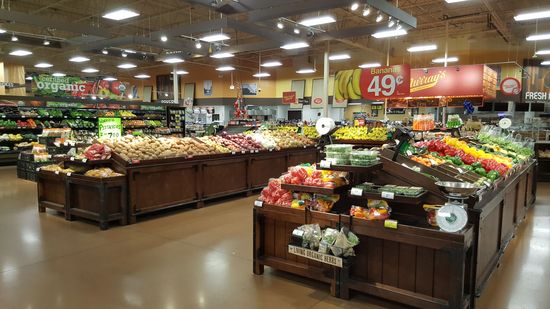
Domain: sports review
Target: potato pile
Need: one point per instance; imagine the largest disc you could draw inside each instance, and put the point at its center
(149, 148)
(290, 139)
(219, 148)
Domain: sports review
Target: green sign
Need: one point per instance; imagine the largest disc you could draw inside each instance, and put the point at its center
(109, 127)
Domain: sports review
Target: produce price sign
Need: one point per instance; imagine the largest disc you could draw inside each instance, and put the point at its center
(109, 127)
(386, 82)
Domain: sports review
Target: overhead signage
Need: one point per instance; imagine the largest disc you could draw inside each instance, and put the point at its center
(536, 84)
(386, 82)
(289, 97)
(109, 127)
(464, 80)
(71, 86)
(510, 86)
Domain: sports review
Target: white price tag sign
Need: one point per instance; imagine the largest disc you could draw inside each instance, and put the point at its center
(244, 151)
(324, 164)
(258, 203)
(388, 195)
(72, 159)
(232, 152)
(356, 191)
(69, 174)
(84, 160)
(57, 172)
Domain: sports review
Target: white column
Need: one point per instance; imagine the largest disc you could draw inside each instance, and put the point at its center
(176, 89)
(325, 84)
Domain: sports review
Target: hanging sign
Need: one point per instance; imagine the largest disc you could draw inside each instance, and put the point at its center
(289, 97)
(510, 86)
(109, 127)
(386, 82)
(72, 86)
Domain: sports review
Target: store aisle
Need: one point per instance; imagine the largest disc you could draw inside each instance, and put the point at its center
(198, 259)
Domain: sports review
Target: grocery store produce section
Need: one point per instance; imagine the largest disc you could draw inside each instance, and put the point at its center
(398, 238)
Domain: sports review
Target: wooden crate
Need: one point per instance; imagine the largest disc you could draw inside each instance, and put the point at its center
(99, 199)
(52, 191)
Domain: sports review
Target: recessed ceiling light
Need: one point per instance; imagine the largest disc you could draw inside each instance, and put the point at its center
(105, 52)
(280, 25)
(130, 51)
(442, 60)
(20, 53)
(305, 71)
(46, 42)
(109, 78)
(180, 72)
(421, 48)
(270, 64)
(533, 15)
(539, 37)
(28, 78)
(297, 30)
(120, 14)
(164, 38)
(225, 68)
(173, 60)
(142, 76)
(354, 6)
(370, 65)
(366, 12)
(14, 38)
(43, 65)
(215, 37)
(318, 20)
(547, 62)
(222, 55)
(126, 66)
(262, 74)
(124, 55)
(59, 74)
(198, 44)
(295, 45)
(2, 30)
(79, 59)
(90, 70)
(389, 33)
(543, 52)
(339, 57)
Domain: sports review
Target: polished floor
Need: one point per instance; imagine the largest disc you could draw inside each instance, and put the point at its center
(199, 258)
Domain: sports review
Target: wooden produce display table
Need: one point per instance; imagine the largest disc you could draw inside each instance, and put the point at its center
(52, 191)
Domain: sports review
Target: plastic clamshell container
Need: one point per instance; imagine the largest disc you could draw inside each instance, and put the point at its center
(364, 154)
(343, 148)
(364, 162)
(337, 155)
(338, 161)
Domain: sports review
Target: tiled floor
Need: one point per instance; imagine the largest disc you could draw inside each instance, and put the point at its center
(199, 258)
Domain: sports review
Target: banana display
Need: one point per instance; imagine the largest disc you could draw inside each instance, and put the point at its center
(347, 85)
(361, 133)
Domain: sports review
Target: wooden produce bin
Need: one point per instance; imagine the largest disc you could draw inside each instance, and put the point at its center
(420, 267)
(99, 199)
(273, 226)
(302, 155)
(223, 177)
(158, 186)
(266, 165)
(52, 191)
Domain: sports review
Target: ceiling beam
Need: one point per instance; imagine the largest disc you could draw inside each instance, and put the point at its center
(294, 9)
(391, 10)
(194, 28)
(498, 22)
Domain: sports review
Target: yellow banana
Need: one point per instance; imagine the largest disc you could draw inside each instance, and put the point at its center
(355, 81)
(337, 93)
(344, 79)
(351, 91)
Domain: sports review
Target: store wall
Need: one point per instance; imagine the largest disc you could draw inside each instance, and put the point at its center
(15, 74)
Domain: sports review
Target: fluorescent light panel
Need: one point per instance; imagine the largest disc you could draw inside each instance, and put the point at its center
(370, 65)
(126, 66)
(421, 48)
(120, 14)
(20, 53)
(539, 37)
(90, 70)
(532, 15)
(270, 64)
(173, 60)
(389, 33)
(215, 37)
(2, 30)
(442, 60)
(339, 57)
(305, 71)
(547, 62)
(319, 20)
(79, 59)
(142, 76)
(109, 78)
(222, 55)
(43, 65)
(225, 68)
(295, 45)
(59, 74)
(543, 52)
(262, 74)
(28, 78)
(180, 72)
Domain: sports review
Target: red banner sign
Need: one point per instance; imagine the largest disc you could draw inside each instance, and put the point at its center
(385, 82)
(289, 97)
(455, 81)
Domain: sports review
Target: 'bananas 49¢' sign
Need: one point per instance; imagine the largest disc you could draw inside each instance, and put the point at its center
(373, 83)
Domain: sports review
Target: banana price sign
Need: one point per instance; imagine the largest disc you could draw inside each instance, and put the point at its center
(386, 82)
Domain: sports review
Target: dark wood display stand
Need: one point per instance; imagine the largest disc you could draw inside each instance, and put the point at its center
(415, 264)
(100, 199)
(52, 191)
